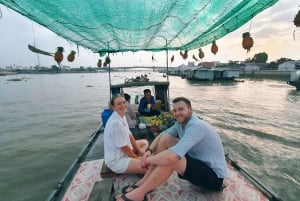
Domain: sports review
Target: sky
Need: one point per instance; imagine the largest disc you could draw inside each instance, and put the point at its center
(272, 31)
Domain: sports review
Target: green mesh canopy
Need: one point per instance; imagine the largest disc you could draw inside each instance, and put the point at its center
(133, 25)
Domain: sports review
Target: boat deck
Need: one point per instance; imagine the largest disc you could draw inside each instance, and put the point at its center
(89, 185)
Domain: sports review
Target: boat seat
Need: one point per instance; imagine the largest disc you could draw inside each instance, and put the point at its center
(106, 172)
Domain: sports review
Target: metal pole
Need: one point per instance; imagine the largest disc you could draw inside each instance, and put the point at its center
(167, 52)
(109, 76)
(167, 74)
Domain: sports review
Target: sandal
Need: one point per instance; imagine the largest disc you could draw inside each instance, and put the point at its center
(124, 198)
(129, 188)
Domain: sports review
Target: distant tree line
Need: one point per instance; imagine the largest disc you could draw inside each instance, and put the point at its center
(261, 58)
(57, 69)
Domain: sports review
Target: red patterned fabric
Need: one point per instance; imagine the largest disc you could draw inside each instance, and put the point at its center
(238, 188)
(84, 180)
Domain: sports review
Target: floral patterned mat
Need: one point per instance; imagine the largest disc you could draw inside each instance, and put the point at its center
(237, 187)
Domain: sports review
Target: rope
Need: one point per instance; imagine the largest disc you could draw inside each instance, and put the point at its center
(77, 49)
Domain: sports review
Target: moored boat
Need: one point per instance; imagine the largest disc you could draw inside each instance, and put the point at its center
(295, 79)
(213, 74)
(4, 73)
(295, 84)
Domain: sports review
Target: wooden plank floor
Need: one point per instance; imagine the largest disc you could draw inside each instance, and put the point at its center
(102, 190)
(97, 150)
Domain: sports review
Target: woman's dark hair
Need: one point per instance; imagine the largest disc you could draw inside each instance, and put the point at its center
(127, 97)
(112, 101)
(185, 100)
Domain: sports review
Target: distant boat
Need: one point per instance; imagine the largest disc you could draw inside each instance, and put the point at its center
(101, 71)
(3, 73)
(295, 79)
(207, 74)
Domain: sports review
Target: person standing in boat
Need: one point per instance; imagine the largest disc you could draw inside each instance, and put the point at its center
(191, 147)
(147, 103)
(121, 150)
(131, 116)
(130, 113)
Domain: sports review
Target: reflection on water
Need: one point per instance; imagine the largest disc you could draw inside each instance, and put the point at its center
(45, 120)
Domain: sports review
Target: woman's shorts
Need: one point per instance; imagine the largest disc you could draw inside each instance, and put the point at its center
(119, 165)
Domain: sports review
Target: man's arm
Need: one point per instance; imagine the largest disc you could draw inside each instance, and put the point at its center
(153, 146)
(152, 149)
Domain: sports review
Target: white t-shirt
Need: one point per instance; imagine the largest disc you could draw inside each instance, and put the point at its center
(116, 135)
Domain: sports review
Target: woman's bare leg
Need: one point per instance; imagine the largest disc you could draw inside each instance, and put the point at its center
(135, 167)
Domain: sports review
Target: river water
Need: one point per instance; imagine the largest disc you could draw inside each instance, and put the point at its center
(45, 120)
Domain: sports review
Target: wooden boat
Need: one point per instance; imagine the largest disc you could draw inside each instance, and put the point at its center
(89, 179)
(295, 79)
(113, 27)
(295, 84)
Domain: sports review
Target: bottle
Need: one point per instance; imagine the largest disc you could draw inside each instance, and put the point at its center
(148, 107)
(136, 100)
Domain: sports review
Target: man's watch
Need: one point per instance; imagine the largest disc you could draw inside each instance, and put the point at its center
(149, 149)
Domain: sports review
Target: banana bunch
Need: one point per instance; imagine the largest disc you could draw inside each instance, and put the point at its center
(157, 121)
(164, 119)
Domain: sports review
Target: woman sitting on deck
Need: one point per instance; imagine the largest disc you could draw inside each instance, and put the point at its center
(121, 150)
